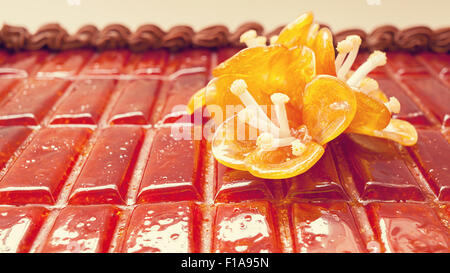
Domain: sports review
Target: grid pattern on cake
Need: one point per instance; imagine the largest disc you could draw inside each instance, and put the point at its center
(88, 164)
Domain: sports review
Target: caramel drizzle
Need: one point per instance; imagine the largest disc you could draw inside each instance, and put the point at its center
(148, 37)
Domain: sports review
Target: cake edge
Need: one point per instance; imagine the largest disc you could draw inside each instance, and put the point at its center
(149, 37)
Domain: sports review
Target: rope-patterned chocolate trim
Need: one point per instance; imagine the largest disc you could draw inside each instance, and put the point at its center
(147, 37)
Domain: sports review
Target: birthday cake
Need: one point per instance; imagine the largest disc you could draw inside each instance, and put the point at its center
(97, 156)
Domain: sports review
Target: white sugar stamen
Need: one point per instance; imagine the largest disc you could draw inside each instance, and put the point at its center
(251, 39)
(273, 39)
(355, 41)
(298, 148)
(254, 118)
(377, 58)
(239, 88)
(393, 105)
(258, 41)
(368, 85)
(282, 142)
(279, 100)
(343, 48)
(248, 35)
(265, 141)
(268, 142)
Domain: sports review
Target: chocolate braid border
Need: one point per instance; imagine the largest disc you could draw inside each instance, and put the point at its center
(149, 37)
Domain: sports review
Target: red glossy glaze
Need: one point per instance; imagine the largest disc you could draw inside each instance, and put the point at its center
(19, 227)
(11, 138)
(161, 228)
(135, 103)
(439, 62)
(432, 152)
(409, 111)
(150, 63)
(107, 171)
(404, 64)
(224, 54)
(27, 61)
(16, 67)
(191, 75)
(3, 56)
(245, 228)
(32, 102)
(85, 103)
(404, 227)
(325, 227)
(321, 182)
(308, 213)
(84, 229)
(172, 171)
(379, 171)
(65, 64)
(433, 93)
(107, 62)
(39, 174)
(234, 186)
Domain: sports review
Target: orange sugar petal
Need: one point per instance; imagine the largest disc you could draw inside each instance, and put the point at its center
(281, 163)
(329, 106)
(371, 115)
(296, 33)
(324, 49)
(399, 131)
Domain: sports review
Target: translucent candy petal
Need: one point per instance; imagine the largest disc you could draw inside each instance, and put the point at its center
(281, 163)
(324, 49)
(230, 146)
(371, 115)
(329, 108)
(399, 131)
(272, 69)
(296, 33)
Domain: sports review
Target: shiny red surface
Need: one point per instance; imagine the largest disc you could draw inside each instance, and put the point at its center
(433, 154)
(433, 93)
(172, 171)
(408, 227)
(234, 185)
(11, 138)
(84, 229)
(224, 53)
(19, 227)
(438, 62)
(404, 64)
(149, 63)
(409, 110)
(136, 102)
(191, 75)
(27, 61)
(244, 228)
(373, 162)
(32, 102)
(321, 182)
(161, 228)
(15, 66)
(107, 172)
(85, 103)
(106, 63)
(325, 227)
(87, 128)
(38, 175)
(65, 63)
